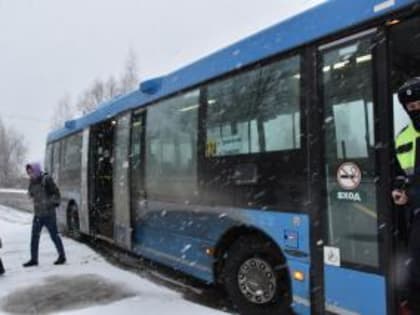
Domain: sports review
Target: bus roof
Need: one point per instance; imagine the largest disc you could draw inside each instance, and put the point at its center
(327, 18)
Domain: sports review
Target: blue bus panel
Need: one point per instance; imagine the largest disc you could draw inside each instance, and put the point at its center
(179, 238)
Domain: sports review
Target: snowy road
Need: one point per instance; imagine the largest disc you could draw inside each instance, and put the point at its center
(87, 284)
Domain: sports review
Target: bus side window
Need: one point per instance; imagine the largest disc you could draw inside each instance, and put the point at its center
(253, 150)
(255, 112)
(171, 148)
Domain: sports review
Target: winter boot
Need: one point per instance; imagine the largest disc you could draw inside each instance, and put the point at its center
(30, 263)
(1, 268)
(61, 260)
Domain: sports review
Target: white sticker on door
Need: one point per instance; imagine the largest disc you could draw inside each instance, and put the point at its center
(332, 256)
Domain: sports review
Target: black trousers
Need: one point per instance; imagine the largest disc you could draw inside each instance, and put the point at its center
(1, 267)
(414, 266)
(50, 222)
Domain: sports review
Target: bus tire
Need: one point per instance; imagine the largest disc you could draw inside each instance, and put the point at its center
(256, 277)
(73, 223)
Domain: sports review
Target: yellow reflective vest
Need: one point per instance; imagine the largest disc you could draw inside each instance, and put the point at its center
(405, 146)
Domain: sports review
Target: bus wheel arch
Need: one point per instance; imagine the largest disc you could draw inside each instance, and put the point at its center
(251, 247)
(73, 221)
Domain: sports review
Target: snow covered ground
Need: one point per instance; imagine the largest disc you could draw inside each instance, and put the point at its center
(14, 191)
(86, 284)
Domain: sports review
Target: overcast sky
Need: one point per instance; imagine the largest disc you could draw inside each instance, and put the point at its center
(49, 48)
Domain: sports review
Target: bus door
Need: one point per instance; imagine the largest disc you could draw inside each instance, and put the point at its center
(137, 172)
(100, 178)
(121, 183)
(354, 280)
(404, 51)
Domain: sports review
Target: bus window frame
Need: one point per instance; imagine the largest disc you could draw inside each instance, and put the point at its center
(203, 160)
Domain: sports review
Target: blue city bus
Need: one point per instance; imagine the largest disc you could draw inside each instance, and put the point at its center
(265, 167)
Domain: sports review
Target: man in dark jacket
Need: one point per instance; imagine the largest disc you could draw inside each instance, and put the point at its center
(407, 145)
(46, 197)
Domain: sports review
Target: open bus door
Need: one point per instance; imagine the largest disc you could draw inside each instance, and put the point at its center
(101, 179)
(363, 235)
(404, 52)
(352, 265)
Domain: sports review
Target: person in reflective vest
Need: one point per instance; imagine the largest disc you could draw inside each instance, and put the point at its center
(407, 146)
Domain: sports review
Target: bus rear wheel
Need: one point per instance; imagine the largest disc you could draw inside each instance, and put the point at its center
(256, 277)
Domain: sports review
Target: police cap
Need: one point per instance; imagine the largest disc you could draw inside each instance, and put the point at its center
(409, 91)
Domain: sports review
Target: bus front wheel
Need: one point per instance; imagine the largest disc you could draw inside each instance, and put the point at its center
(256, 277)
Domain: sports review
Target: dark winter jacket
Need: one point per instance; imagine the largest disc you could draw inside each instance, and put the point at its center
(45, 195)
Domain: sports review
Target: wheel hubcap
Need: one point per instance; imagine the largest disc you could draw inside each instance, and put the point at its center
(257, 281)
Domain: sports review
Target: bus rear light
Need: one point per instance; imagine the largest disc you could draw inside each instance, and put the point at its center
(392, 22)
(210, 251)
(298, 275)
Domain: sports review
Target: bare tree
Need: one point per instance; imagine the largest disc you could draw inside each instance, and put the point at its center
(86, 102)
(62, 112)
(130, 77)
(111, 88)
(100, 91)
(13, 151)
(97, 91)
(96, 94)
